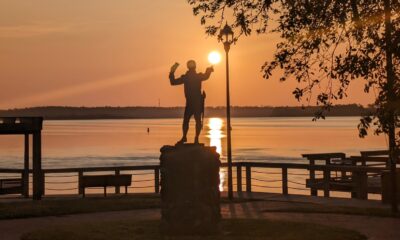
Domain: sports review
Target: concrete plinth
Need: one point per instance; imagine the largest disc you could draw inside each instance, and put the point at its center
(190, 190)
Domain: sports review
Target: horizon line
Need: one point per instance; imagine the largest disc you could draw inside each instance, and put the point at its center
(182, 106)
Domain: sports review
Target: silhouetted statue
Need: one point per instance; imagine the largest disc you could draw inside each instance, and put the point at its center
(194, 98)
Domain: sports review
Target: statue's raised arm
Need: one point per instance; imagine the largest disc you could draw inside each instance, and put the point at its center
(206, 75)
(172, 79)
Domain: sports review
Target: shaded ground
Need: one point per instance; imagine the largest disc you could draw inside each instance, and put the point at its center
(232, 229)
(57, 206)
(372, 226)
(64, 206)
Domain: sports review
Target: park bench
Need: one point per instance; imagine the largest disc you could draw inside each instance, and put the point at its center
(11, 186)
(104, 181)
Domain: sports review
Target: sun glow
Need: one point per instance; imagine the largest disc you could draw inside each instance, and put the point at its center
(214, 57)
(215, 134)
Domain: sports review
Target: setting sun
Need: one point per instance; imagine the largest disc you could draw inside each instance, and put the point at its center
(214, 57)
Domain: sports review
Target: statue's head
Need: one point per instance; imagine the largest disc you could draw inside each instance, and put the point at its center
(191, 65)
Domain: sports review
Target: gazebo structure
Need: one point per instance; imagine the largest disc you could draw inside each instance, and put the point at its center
(28, 126)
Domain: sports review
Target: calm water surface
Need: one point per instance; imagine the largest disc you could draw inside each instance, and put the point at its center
(127, 142)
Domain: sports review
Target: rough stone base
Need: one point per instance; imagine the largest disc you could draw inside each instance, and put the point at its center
(190, 190)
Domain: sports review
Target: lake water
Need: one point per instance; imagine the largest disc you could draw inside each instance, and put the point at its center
(88, 143)
(127, 142)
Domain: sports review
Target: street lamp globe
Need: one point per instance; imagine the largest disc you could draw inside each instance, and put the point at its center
(226, 36)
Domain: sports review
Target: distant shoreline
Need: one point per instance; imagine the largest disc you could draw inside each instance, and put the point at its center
(92, 113)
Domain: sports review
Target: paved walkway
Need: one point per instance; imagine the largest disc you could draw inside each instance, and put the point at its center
(375, 228)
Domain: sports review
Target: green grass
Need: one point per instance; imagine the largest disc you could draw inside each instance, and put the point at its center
(235, 229)
(57, 207)
(376, 212)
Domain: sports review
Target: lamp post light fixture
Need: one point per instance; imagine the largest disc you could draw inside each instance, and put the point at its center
(227, 38)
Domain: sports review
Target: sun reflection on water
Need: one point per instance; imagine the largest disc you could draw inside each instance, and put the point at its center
(215, 135)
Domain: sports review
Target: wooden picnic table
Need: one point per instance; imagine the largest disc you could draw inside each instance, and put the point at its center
(328, 159)
(359, 183)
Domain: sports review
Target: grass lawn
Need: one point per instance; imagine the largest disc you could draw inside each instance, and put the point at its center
(57, 207)
(235, 229)
(376, 212)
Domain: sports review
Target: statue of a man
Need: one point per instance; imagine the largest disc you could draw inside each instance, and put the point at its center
(194, 98)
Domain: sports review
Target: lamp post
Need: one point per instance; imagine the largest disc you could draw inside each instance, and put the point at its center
(226, 36)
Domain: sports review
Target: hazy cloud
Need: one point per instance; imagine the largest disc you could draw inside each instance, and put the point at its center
(32, 30)
(85, 87)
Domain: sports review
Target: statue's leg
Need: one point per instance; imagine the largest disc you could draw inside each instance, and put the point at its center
(197, 117)
(185, 124)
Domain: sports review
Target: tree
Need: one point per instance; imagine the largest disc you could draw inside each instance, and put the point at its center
(325, 45)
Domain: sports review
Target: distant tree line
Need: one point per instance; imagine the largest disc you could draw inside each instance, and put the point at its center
(66, 113)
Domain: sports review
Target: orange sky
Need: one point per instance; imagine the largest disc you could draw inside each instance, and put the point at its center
(118, 53)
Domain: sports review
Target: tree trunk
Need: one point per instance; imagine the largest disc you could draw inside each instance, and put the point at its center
(391, 100)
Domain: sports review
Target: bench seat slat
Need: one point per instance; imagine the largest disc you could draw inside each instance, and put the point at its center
(105, 181)
(11, 186)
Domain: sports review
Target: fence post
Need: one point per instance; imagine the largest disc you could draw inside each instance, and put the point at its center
(326, 182)
(117, 188)
(248, 178)
(285, 181)
(25, 174)
(239, 178)
(80, 189)
(361, 181)
(43, 182)
(157, 180)
(38, 184)
(314, 191)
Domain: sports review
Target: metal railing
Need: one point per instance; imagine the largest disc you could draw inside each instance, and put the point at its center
(248, 176)
(359, 176)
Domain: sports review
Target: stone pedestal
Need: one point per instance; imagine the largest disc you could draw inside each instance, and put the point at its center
(190, 190)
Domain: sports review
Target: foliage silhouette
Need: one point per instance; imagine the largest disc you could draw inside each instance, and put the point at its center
(325, 45)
